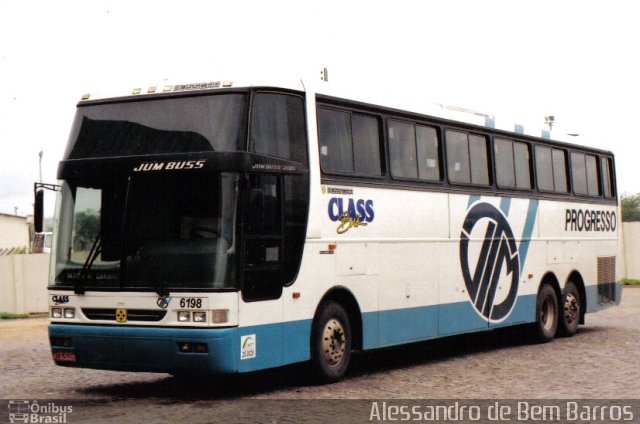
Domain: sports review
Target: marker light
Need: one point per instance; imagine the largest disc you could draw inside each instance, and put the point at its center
(56, 312)
(199, 317)
(185, 347)
(220, 316)
(184, 316)
(201, 348)
(69, 313)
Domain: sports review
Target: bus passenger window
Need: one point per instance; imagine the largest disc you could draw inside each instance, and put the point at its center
(544, 171)
(334, 136)
(606, 177)
(428, 153)
(349, 143)
(551, 169)
(458, 157)
(402, 150)
(559, 170)
(578, 173)
(479, 162)
(505, 170)
(467, 160)
(522, 160)
(593, 188)
(366, 145)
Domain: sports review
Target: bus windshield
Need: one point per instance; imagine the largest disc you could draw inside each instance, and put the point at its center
(150, 232)
(154, 126)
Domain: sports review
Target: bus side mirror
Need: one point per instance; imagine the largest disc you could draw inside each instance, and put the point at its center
(38, 208)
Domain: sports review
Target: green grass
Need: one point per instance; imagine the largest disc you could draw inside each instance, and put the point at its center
(10, 315)
(631, 281)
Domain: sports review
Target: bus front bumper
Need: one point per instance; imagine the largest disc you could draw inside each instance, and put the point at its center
(147, 349)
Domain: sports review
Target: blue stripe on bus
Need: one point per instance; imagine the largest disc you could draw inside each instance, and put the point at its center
(472, 199)
(523, 249)
(505, 205)
(155, 349)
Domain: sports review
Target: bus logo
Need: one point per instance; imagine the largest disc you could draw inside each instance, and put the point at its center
(497, 253)
(121, 315)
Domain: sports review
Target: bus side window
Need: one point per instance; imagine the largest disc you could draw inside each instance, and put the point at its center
(278, 126)
(505, 169)
(578, 173)
(467, 160)
(607, 188)
(593, 187)
(522, 159)
(551, 169)
(428, 153)
(544, 171)
(349, 143)
(458, 157)
(559, 170)
(402, 149)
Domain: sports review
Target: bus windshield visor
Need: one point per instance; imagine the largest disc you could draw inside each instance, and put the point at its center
(150, 232)
(168, 125)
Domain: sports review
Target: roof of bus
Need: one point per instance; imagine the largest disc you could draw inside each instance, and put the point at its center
(170, 86)
(381, 98)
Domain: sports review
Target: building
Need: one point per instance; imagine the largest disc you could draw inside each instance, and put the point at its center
(14, 233)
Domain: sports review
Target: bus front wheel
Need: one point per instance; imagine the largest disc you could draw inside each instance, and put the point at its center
(546, 314)
(331, 342)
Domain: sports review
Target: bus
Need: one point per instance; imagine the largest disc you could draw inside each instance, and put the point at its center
(220, 227)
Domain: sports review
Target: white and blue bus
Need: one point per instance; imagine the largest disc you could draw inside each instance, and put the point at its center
(225, 228)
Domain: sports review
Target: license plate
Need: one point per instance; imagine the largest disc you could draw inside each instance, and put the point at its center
(64, 356)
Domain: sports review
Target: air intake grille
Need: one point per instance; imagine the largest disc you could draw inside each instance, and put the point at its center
(606, 279)
(148, 315)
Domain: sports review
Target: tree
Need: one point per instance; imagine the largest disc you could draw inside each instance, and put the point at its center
(630, 205)
(86, 229)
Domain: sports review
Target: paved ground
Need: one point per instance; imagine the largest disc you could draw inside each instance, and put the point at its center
(599, 362)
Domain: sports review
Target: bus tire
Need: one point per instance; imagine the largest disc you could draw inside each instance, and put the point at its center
(571, 308)
(547, 315)
(330, 342)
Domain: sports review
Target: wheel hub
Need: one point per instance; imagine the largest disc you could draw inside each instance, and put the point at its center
(571, 308)
(547, 314)
(333, 342)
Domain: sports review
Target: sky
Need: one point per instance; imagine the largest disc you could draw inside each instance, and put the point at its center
(517, 60)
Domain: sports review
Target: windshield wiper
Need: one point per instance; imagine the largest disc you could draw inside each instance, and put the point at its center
(88, 263)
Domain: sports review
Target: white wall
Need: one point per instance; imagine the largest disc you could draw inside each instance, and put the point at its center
(23, 283)
(14, 231)
(630, 245)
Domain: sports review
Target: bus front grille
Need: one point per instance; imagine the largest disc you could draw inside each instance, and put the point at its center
(148, 315)
(606, 279)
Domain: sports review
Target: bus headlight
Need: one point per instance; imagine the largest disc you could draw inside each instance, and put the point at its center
(184, 316)
(56, 312)
(69, 312)
(199, 317)
(220, 316)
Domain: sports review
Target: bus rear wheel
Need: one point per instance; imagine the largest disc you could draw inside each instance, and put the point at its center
(546, 314)
(572, 308)
(330, 342)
